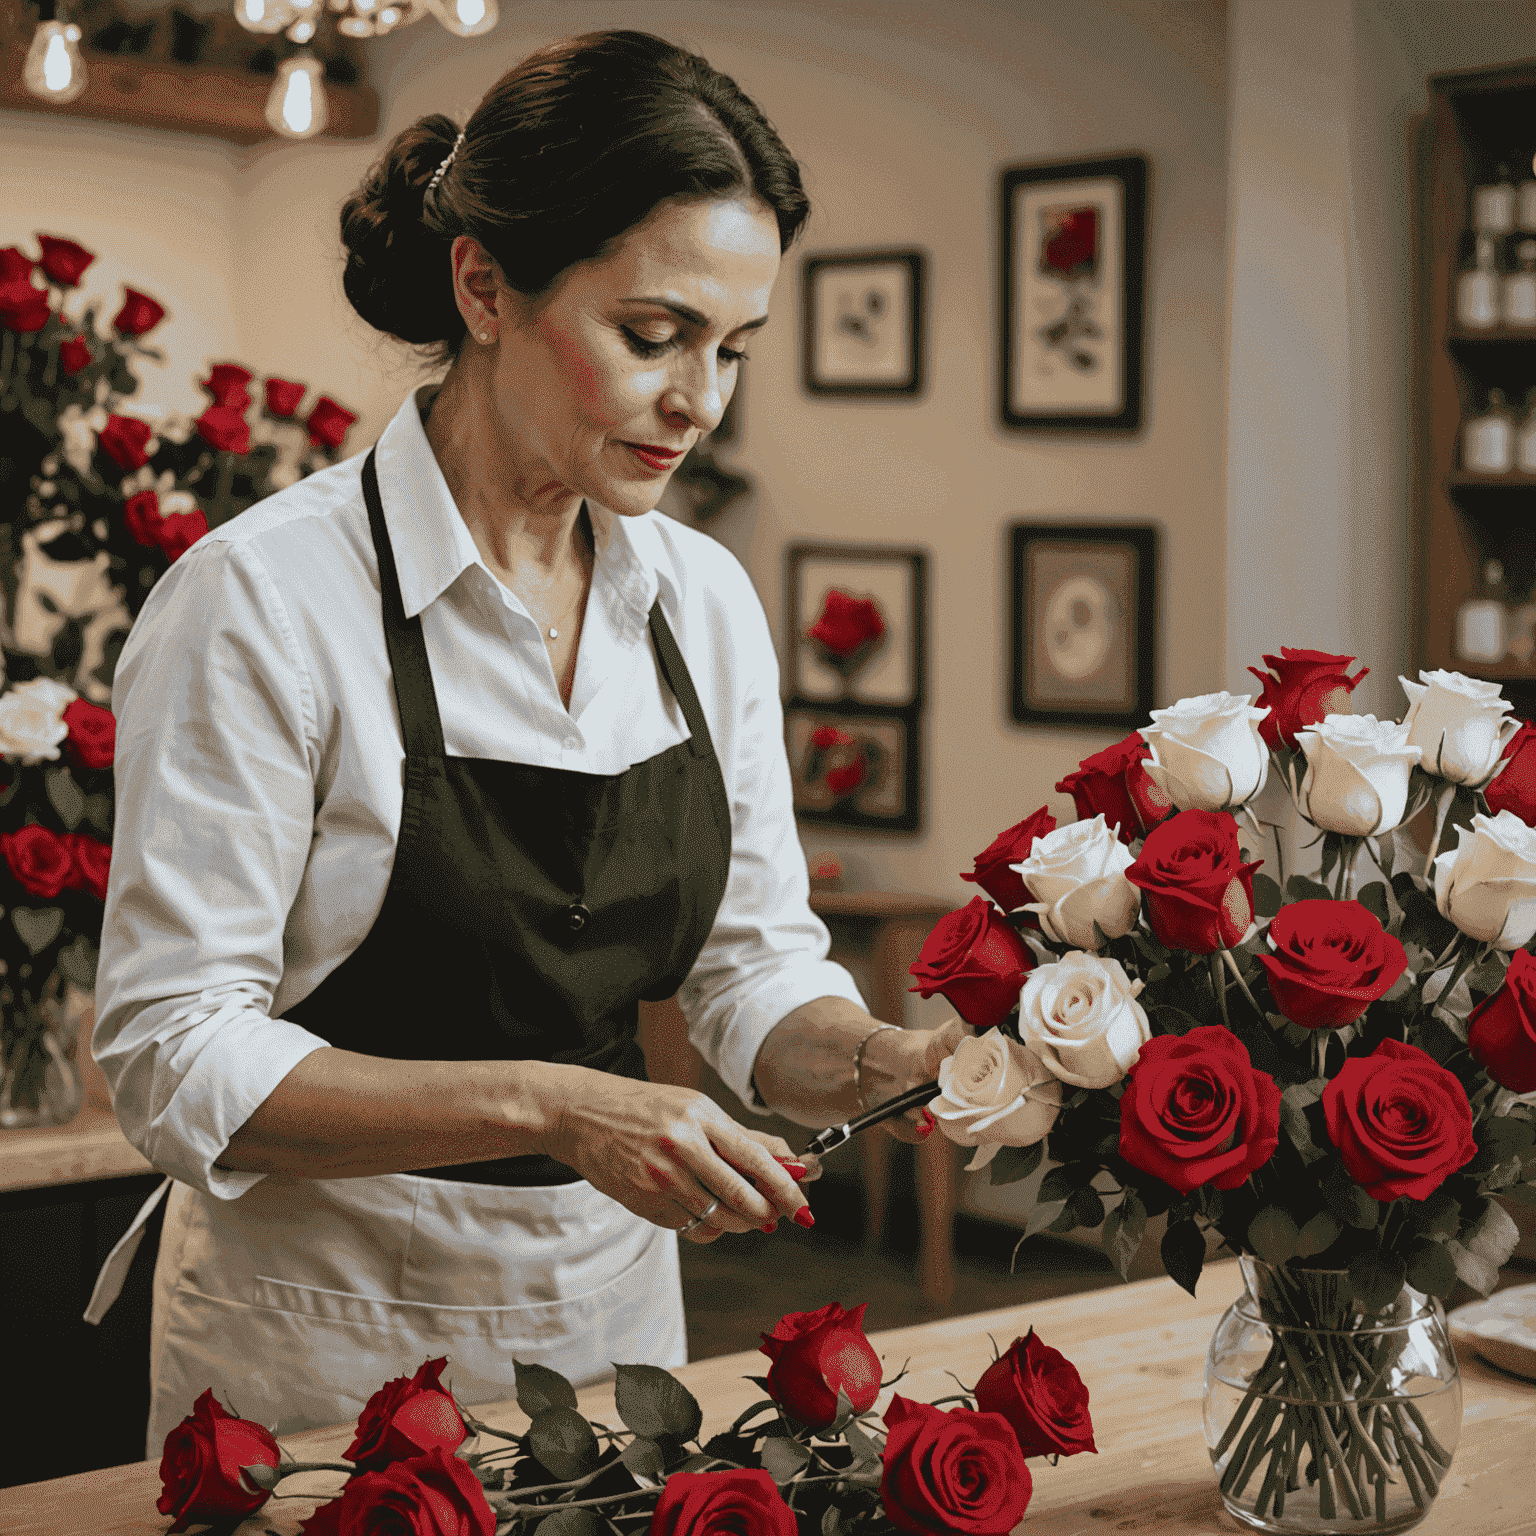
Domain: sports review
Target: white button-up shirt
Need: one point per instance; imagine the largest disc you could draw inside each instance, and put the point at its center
(260, 777)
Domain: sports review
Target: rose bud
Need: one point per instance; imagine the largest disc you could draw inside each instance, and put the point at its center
(139, 314)
(64, 261)
(977, 961)
(1301, 688)
(994, 867)
(15, 266)
(1207, 754)
(1197, 1111)
(1081, 1018)
(1486, 885)
(817, 1354)
(1115, 784)
(1401, 1122)
(994, 1092)
(432, 1495)
(952, 1472)
(1357, 775)
(741, 1502)
(283, 396)
(1459, 724)
(200, 1466)
(74, 355)
(1513, 787)
(226, 383)
(224, 428)
(24, 307)
(1501, 1032)
(406, 1417)
(1038, 1390)
(1198, 891)
(1331, 961)
(848, 630)
(92, 734)
(178, 532)
(40, 859)
(1077, 876)
(92, 863)
(327, 423)
(123, 439)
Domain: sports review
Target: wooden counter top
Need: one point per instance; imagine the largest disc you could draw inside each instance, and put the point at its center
(91, 1146)
(1140, 1349)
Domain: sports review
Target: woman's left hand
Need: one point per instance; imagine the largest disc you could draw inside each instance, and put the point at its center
(898, 1060)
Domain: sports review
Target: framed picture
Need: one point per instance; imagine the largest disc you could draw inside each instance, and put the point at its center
(855, 630)
(1074, 276)
(1083, 605)
(863, 313)
(854, 767)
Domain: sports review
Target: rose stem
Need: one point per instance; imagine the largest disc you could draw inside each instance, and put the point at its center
(1325, 1504)
(1460, 969)
(1421, 1462)
(1237, 976)
(1256, 1388)
(1219, 986)
(1431, 1444)
(1250, 1451)
(1351, 1410)
(1347, 1485)
(1405, 1461)
(1442, 810)
(1276, 1450)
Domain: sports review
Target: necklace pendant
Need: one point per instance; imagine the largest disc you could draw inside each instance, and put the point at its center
(554, 634)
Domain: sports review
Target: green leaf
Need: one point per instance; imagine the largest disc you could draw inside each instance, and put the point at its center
(1321, 1232)
(1474, 1270)
(1183, 1252)
(539, 1388)
(1386, 853)
(1084, 1208)
(563, 1441)
(568, 1522)
(644, 1458)
(654, 1402)
(1273, 1235)
(1159, 972)
(1268, 898)
(1432, 1270)
(1014, 1163)
(863, 1447)
(67, 797)
(1299, 888)
(77, 961)
(1043, 1215)
(1293, 1117)
(1346, 1199)
(1376, 1277)
(1373, 898)
(1331, 845)
(1062, 1182)
(1492, 1237)
(38, 927)
(1124, 1228)
(783, 1458)
(1438, 1216)
(260, 1475)
(831, 1521)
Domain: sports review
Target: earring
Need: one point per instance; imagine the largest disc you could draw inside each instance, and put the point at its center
(485, 335)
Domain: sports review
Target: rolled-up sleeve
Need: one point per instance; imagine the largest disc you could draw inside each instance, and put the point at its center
(215, 796)
(767, 952)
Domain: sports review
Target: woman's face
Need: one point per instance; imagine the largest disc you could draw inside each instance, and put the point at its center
(600, 387)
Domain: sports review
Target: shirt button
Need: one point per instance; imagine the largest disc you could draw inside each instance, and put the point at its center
(576, 916)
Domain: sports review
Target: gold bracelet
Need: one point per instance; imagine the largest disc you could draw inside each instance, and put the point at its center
(858, 1064)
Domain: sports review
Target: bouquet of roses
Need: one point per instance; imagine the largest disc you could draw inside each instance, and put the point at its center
(94, 506)
(1329, 1075)
(809, 1457)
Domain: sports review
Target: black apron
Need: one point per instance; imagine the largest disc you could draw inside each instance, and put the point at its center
(528, 909)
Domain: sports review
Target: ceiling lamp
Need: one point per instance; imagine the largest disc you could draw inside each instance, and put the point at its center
(54, 69)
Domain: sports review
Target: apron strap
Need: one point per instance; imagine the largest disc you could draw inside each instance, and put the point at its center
(675, 671)
(109, 1283)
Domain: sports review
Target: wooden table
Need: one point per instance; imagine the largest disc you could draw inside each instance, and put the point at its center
(1140, 1350)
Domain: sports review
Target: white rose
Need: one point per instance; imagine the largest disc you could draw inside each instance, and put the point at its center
(79, 441)
(1077, 876)
(174, 502)
(1460, 723)
(1207, 754)
(994, 1093)
(32, 719)
(1081, 1018)
(1357, 774)
(1486, 885)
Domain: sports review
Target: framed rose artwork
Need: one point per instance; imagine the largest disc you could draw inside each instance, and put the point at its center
(863, 318)
(1073, 270)
(854, 767)
(1083, 623)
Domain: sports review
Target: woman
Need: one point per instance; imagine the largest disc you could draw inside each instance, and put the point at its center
(435, 764)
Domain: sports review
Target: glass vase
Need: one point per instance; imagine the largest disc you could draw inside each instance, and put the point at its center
(1322, 1417)
(39, 1082)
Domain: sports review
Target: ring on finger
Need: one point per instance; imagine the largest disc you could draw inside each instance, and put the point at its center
(699, 1220)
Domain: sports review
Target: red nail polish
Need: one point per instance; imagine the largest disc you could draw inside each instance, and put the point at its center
(795, 1170)
(804, 1218)
(662, 1180)
(925, 1127)
(665, 1143)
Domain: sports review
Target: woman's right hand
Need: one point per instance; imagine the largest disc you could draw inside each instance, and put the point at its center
(666, 1153)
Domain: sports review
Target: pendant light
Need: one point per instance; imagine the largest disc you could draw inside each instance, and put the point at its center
(296, 108)
(54, 69)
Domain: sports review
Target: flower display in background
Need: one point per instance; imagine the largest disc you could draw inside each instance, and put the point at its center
(848, 632)
(1207, 753)
(1358, 769)
(1301, 688)
(1460, 725)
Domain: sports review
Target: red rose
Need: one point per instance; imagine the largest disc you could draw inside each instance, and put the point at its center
(282, 397)
(847, 624)
(93, 859)
(1113, 784)
(223, 427)
(1299, 689)
(1197, 1111)
(406, 1417)
(141, 517)
(74, 354)
(15, 265)
(825, 737)
(1199, 892)
(1071, 244)
(1331, 961)
(328, 423)
(955, 1471)
(139, 314)
(226, 383)
(180, 531)
(92, 734)
(1501, 1032)
(743, 1503)
(63, 260)
(41, 860)
(1401, 1122)
(1037, 1389)
(977, 961)
(200, 1466)
(847, 778)
(816, 1353)
(23, 307)
(1513, 787)
(431, 1495)
(992, 872)
(123, 439)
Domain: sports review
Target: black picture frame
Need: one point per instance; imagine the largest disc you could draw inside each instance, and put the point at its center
(889, 798)
(832, 326)
(1046, 379)
(1098, 583)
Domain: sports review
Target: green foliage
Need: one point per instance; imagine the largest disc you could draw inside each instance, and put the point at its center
(563, 1442)
(540, 1389)
(655, 1403)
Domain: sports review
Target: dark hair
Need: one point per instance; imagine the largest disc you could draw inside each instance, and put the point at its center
(565, 153)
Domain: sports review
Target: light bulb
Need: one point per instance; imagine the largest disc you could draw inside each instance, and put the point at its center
(466, 18)
(54, 69)
(296, 108)
(264, 15)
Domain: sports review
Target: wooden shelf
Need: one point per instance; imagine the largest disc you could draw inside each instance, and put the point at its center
(91, 1146)
(1472, 480)
(189, 98)
(1494, 336)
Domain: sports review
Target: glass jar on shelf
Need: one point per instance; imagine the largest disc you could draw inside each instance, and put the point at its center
(1493, 205)
(1483, 620)
(1525, 437)
(1477, 289)
(1518, 292)
(1487, 439)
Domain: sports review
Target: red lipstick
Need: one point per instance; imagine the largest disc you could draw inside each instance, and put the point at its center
(658, 460)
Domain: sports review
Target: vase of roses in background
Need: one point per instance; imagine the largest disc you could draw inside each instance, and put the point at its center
(1334, 1078)
(95, 504)
(810, 1458)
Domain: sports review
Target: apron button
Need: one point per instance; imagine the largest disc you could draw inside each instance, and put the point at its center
(576, 916)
